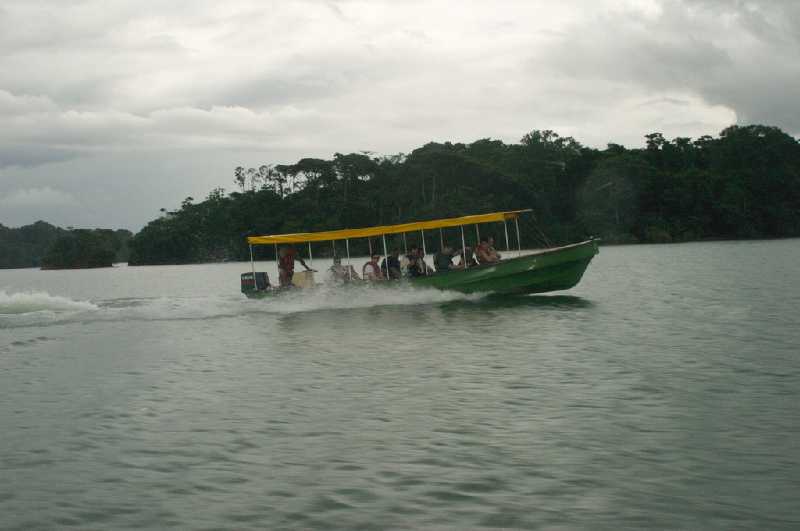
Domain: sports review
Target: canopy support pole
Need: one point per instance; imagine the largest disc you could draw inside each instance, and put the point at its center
(369, 241)
(464, 248)
(519, 243)
(405, 244)
(505, 228)
(310, 256)
(349, 267)
(441, 239)
(277, 262)
(477, 242)
(424, 252)
(333, 246)
(385, 257)
(253, 267)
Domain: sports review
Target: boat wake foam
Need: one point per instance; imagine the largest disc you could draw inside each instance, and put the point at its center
(40, 301)
(42, 309)
(338, 297)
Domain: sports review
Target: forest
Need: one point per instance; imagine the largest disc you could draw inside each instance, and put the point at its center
(743, 183)
(86, 248)
(41, 244)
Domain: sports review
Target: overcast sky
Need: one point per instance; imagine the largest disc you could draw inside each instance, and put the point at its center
(110, 110)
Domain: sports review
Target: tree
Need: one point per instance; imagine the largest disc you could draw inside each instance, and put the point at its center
(239, 177)
(252, 176)
(743, 183)
(83, 248)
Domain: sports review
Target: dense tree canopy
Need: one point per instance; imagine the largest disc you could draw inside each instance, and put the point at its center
(83, 248)
(42, 244)
(25, 246)
(743, 184)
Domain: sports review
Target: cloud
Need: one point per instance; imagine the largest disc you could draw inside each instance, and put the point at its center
(739, 55)
(105, 101)
(13, 105)
(45, 197)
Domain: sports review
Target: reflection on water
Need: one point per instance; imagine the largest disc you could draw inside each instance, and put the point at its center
(660, 393)
(522, 301)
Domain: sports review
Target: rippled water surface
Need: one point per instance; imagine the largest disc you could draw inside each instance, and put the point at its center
(662, 392)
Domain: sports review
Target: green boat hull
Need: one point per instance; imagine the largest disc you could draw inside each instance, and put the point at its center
(556, 269)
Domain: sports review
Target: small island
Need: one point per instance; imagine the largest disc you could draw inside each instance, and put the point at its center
(85, 248)
(47, 246)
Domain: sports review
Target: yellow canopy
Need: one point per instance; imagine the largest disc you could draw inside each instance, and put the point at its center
(368, 232)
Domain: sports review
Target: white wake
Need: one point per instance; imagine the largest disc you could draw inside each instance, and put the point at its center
(40, 301)
(41, 308)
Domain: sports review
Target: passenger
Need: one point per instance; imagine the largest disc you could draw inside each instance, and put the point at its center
(393, 271)
(485, 251)
(422, 265)
(443, 260)
(469, 260)
(371, 270)
(286, 257)
(403, 263)
(342, 273)
(415, 263)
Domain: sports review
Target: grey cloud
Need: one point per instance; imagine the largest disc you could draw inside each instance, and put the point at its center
(32, 155)
(13, 104)
(729, 53)
(132, 106)
(45, 197)
(303, 80)
(665, 100)
(774, 21)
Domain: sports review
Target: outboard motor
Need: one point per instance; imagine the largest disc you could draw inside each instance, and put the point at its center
(261, 282)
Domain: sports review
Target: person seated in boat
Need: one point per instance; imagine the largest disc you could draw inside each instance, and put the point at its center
(414, 267)
(422, 265)
(286, 257)
(403, 263)
(371, 270)
(392, 272)
(341, 272)
(443, 260)
(485, 251)
(467, 258)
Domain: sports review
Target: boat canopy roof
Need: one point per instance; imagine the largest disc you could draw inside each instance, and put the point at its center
(344, 234)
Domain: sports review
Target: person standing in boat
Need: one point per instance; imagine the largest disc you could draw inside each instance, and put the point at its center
(286, 257)
(371, 270)
(485, 251)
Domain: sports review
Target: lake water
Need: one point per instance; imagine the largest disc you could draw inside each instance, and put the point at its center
(662, 392)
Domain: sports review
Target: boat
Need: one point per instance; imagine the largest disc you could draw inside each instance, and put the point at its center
(539, 271)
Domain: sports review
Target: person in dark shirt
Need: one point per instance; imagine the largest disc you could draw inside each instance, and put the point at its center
(416, 263)
(412, 269)
(393, 270)
(443, 260)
